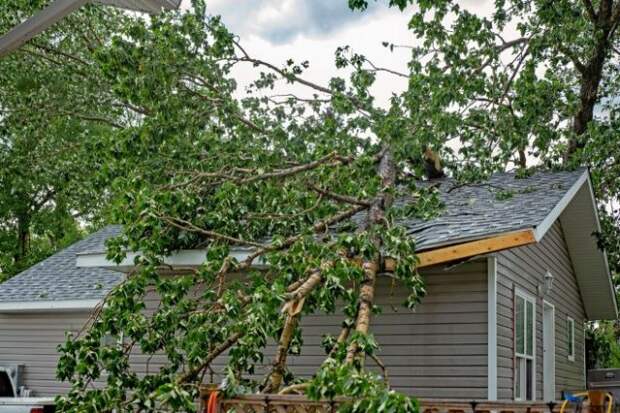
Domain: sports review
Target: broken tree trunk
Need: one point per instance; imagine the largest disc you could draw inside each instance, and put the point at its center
(376, 217)
(293, 309)
(364, 312)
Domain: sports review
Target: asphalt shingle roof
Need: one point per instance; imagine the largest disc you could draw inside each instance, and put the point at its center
(503, 203)
(57, 278)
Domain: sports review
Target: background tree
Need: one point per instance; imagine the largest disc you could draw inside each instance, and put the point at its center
(308, 184)
(532, 83)
(56, 119)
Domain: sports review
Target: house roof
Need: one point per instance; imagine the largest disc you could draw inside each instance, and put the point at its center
(502, 205)
(58, 280)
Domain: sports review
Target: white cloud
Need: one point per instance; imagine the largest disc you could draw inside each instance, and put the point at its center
(281, 21)
(276, 30)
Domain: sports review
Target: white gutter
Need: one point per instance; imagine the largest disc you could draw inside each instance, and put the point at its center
(179, 259)
(41, 306)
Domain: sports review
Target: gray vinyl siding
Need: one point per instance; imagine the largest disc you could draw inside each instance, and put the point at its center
(524, 268)
(31, 340)
(440, 350)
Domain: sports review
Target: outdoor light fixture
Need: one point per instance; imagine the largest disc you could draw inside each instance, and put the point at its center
(59, 9)
(545, 288)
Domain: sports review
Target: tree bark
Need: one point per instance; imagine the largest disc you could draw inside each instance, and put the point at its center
(23, 238)
(293, 309)
(592, 74)
(364, 312)
(279, 363)
(376, 217)
(522, 159)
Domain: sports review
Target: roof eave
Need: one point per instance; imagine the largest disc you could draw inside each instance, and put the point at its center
(48, 306)
(176, 262)
(580, 222)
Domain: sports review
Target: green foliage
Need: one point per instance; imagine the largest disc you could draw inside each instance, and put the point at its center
(602, 345)
(368, 390)
(54, 114)
(153, 112)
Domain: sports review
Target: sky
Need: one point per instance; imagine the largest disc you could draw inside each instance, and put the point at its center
(276, 30)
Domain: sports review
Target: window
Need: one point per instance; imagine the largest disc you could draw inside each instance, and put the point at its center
(525, 337)
(570, 337)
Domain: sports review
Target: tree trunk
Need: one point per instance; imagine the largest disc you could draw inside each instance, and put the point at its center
(23, 238)
(376, 217)
(293, 308)
(591, 76)
(279, 364)
(522, 159)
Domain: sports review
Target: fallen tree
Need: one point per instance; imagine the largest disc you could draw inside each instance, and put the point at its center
(305, 182)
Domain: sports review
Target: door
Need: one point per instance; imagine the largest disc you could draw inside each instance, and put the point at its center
(548, 351)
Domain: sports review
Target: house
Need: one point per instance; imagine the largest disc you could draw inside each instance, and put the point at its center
(512, 270)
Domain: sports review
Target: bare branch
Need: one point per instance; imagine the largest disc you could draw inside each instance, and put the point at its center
(287, 216)
(377, 360)
(218, 101)
(318, 227)
(292, 77)
(295, 388)
(221, 348)
(507, 45)
(60, 53)
(386, 70)
(330, 159)
(514, 74)
(500, 48)
(258, 62)
(293, 308)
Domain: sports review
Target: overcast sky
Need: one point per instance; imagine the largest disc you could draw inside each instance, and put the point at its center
(276, 30)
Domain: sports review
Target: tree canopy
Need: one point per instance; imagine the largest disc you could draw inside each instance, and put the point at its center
(305, 185)
(55, 117)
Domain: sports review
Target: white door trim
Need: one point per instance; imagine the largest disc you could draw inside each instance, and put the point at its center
(520, 292)
(548, 359)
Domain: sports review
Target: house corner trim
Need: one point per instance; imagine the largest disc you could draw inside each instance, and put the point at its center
(492, 327)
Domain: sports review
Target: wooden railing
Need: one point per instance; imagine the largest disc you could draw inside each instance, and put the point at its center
(301, 404)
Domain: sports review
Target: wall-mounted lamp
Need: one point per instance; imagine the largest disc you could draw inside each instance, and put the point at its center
(547, 286)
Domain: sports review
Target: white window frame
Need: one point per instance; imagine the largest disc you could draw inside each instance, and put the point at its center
(570, 336)
(527, 297)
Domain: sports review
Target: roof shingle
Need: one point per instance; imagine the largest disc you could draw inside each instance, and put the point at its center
(57, 278)
(502, 204)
